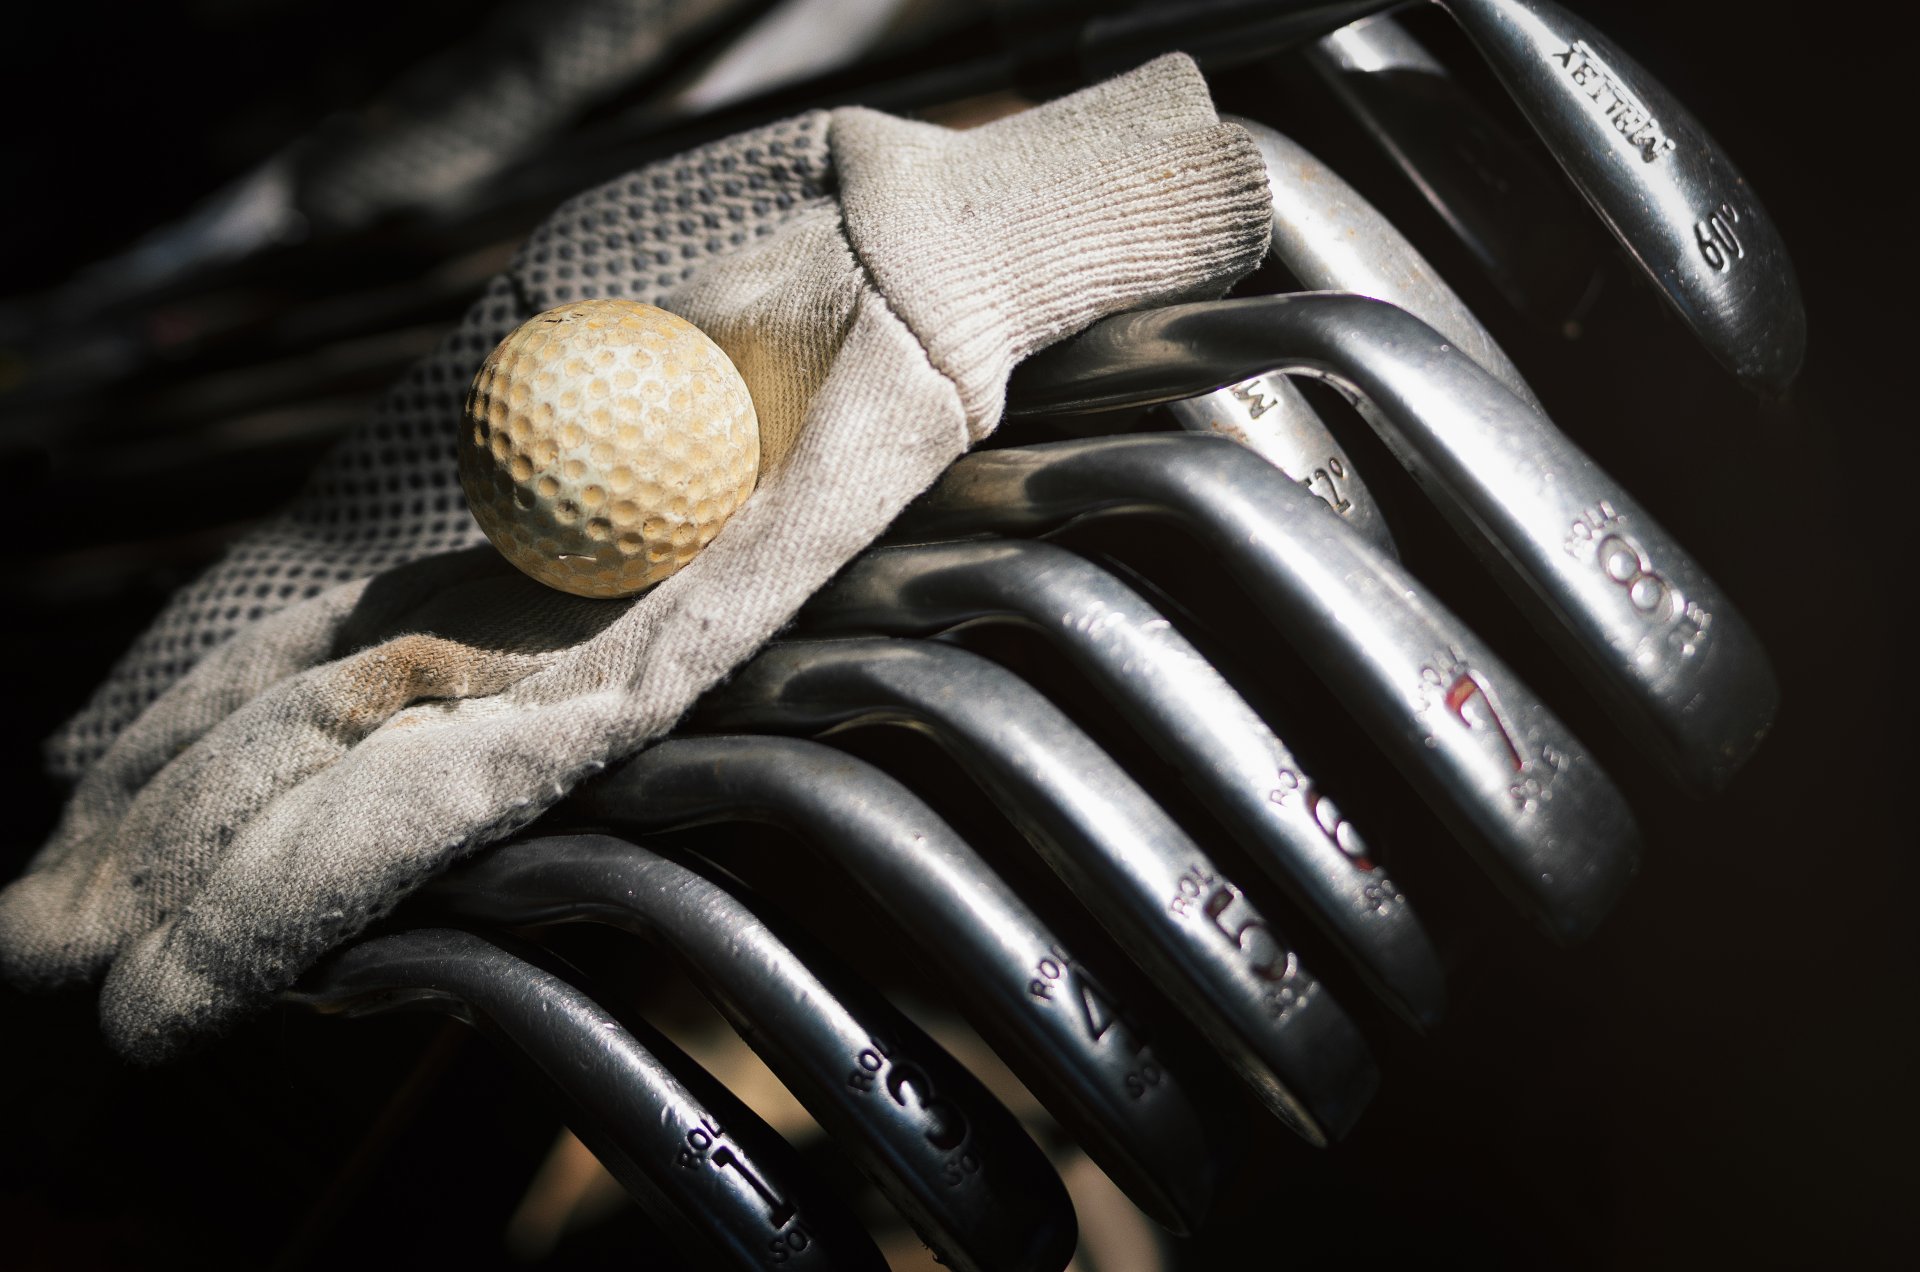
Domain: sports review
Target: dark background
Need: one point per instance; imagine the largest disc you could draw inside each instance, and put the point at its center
(1723, 1075)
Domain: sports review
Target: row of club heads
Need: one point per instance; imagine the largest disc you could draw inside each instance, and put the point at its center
(1492, 760)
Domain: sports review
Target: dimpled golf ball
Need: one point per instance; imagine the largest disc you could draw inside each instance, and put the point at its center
(605, 443)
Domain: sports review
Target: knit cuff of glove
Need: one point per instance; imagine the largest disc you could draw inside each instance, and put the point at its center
(954, 227)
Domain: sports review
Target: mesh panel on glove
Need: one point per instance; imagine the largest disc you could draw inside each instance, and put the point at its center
(390, 494)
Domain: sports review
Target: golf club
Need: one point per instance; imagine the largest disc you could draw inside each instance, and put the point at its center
(943, 1150)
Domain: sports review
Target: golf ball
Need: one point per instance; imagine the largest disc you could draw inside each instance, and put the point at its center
(605, 443)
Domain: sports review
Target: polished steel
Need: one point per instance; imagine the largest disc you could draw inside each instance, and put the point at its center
(1063, 1032)
(1332, 239)
(1516, 787)
(1181, 706)
(1173, 910)
(942, 1149)
(1268, 415)
(1657, 179)
(724, 1186)
(1676, 664)
(1514, 214)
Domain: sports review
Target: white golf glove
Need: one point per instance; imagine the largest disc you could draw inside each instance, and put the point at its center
(357, 695)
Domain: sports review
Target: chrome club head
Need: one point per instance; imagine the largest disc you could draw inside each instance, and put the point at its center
(725, 1187)
(1181, 706)
(1176, 912)
(1517, 788)
(1049, 1014)
(1671, 657)
(1656, 178)
(943, 1150)
(1662, 185)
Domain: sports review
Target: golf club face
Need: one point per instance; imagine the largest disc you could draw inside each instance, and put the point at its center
(724, 1186)
(943, 1150)
(1517, 789)
(1513, 214)
(1173, 910)
(1182, 707)
(1668, 654)
(1332, 239)
(1661, 184)
(1271, 417)
(1658, 181)
(1067, 1036)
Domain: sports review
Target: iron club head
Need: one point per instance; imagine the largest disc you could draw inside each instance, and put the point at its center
(1671, 657)
(1516, 787)
(943, 1150)
(1170, 906)
(1067, 1035)
(1185, 710)
(724, 1186)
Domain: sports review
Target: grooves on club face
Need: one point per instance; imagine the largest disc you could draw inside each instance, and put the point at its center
(1515, 787)
(1652, 173)
(1165, 1143)
(1671, 658)
(942, 1149)
(728, 1191)
(1171, 908)
(1181, 706)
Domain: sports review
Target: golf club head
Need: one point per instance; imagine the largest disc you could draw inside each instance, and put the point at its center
(1512, 213)
(943, 1150)
(725, 1188)
(1666, 652)
(1515, 786)
(1063, 1030)
(1173, 909)
(1657, 179)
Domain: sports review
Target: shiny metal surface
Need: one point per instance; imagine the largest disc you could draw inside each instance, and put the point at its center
(1066, 1035)
(1513, 214)
(1175, 912)
(1272, 418)
(1181, 706)
(942, 1149)
(1332, 239)
(729, 1191)
(1675, 663)
(1657, 179)
(1490, 758)
(1654, 175)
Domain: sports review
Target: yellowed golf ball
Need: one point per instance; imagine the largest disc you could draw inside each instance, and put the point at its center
(605, 443)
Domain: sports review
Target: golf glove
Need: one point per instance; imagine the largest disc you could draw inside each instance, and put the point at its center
(362, 692)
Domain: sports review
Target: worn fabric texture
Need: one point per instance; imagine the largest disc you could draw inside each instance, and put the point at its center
(304, 763)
